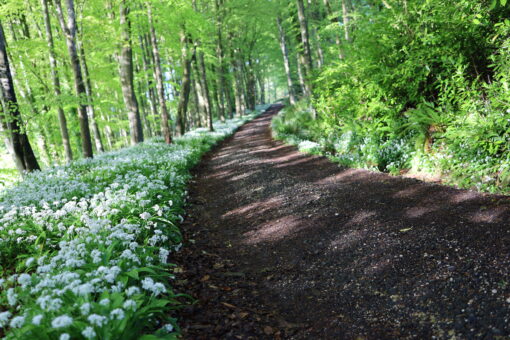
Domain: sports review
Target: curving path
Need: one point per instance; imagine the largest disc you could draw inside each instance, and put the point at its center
(286, 245)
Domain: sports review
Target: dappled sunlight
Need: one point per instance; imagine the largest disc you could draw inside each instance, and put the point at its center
(343, 175)
(278, 159)
(361, 217)
(220, 174)
(410, 191)
(464, 196)
(259, 207)
(416, 212)
(275, 230)
(378, 267)
(348, 240)
(242, 176)
(317, 234)
(296, 161)
(488, 215)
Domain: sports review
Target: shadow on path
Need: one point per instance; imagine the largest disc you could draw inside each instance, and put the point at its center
(289, 245)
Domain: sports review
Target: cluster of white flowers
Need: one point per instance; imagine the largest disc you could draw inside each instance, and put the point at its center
(95, 237)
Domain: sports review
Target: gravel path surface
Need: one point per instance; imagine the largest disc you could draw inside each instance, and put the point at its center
(283, 245)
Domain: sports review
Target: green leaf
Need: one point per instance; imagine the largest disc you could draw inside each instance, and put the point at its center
(133, 273)
(150, 337)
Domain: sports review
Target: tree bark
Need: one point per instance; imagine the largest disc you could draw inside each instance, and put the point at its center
(199, 92)
(251, 84)
(305, 37)
(320, 52)
(185, 84)
(165, 129)
(346, 4)
(22, 149)
(262, 88)
(147, 67)
(238, 82)
(69, 29)
(90, 107)
(205, 88)
(56, 83)
(301, 76)
(126, 76)
(286, 62)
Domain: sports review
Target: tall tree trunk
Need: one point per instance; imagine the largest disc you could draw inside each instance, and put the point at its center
(195, 114)
(185, 84)
(148, 70)
(346, 4)
(6, 134)
(69, 29)
(320, 52)
(262, 88)
(90, 107)
(305, 38)
(56, 84)
(199, 92)
(214, 93)
(144, 106)
(220, 54)
(126, 76)
(238, 83)
(251, 84)
(165, 129)
(205, 89)
(301, 76)
(22, 149)
(229, 94)
(286, 63)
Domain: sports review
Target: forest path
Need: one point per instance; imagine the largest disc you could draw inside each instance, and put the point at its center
(288, 245)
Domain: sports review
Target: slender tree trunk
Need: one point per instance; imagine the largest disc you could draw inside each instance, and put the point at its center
(251, 84)
(22, 149)
(286, 63)
(195, 114)
(205, 89)
(147, 67)
(126, 76)
(56, 84)
(69, 30)
(305, 37)
(229, 94)
(109, 134)
(165, 129)
(320, 52)
(238, 83)
(185, 84)
(346, 4)
(4, 130)
(199, 91)
(214, 93)
(220, 54)
(90, 107)
(262, 88)
(301, 76)
(201, 76)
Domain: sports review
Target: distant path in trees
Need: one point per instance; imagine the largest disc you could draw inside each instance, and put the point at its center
(288, 245)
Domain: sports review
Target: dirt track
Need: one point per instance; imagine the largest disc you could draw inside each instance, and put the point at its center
(287, 245)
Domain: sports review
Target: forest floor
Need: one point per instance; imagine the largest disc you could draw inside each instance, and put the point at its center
(286, 245)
